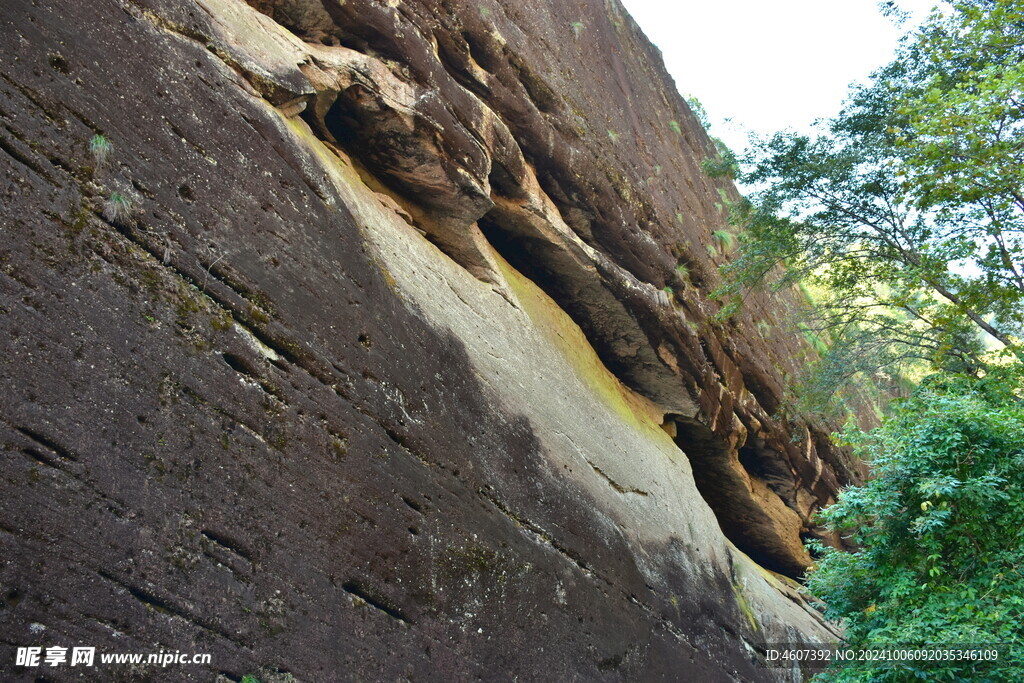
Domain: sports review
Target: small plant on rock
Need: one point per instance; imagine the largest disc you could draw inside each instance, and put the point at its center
(118, 207)
(683, 273)
(725, 240)
(100, 148)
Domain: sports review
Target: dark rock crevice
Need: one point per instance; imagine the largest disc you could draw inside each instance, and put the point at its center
(373, 599)
(750, 510)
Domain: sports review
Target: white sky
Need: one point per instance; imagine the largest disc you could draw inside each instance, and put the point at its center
(770, 64)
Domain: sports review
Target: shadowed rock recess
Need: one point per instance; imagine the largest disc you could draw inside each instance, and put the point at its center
(364, 352)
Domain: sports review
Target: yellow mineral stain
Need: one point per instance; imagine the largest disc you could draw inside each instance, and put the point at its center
(555, 324)
(549, 318)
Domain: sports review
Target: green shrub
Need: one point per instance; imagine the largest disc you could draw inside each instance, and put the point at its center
(940, 532)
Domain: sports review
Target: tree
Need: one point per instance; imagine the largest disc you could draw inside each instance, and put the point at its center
(904, 216)
(940, 532)
(963, 133)
(905, 210)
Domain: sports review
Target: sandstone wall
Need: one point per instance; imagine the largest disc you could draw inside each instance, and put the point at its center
(354, 359)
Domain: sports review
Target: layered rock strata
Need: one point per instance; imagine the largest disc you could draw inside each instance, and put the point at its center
(378, 345)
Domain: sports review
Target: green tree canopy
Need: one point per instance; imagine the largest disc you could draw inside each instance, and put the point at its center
(905, 211)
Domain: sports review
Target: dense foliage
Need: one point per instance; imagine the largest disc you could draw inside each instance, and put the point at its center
(904, 218)
(940, 532)
(905, 212)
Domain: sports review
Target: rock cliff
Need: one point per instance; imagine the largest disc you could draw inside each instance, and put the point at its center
(372, 340)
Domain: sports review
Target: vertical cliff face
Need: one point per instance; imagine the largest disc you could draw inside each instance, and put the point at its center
(379, 345)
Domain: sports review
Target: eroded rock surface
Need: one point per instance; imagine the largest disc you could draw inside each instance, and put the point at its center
(366, 354)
